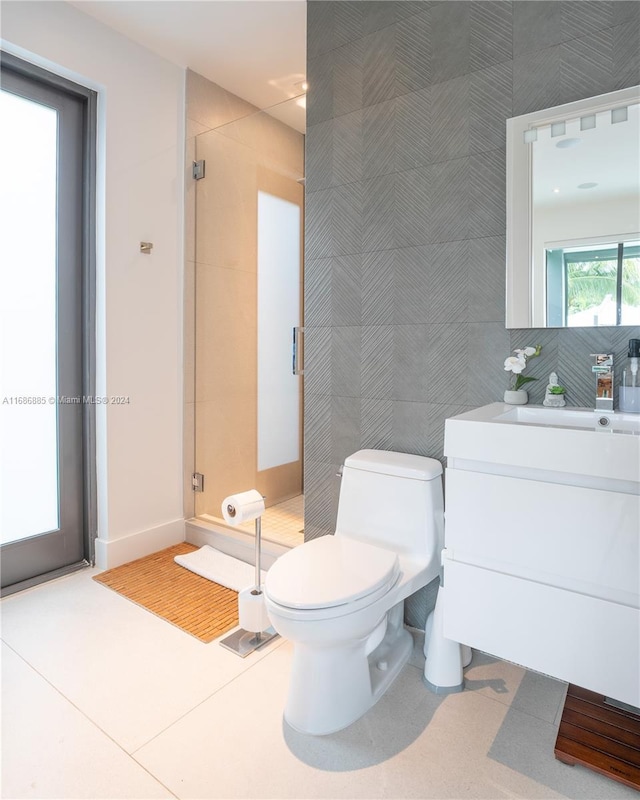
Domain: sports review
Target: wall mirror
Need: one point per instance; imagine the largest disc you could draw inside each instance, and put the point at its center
(573, 214)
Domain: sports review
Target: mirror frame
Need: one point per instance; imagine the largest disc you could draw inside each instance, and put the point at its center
(519, 278)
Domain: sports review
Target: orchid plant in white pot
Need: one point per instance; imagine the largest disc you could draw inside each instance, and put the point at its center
(516, 395)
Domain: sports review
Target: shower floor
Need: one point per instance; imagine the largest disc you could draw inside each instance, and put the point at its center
(282, 523)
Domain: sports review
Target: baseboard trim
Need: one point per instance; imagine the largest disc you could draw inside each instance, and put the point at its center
(114, 552)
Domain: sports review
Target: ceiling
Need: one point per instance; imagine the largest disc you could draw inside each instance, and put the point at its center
(253, 48)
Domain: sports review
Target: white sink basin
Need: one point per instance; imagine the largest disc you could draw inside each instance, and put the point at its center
(601, 446)
(611, 421)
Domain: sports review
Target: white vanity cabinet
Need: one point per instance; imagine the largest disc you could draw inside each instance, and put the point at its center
(542, 555)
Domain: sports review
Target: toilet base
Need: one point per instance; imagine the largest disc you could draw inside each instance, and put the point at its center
(332, 687)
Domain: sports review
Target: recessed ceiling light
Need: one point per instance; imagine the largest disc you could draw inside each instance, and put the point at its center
(564, 143)
(588, 185)
(556, 191)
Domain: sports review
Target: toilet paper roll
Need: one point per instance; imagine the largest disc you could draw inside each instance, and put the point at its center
(252, 612)
(239, 508)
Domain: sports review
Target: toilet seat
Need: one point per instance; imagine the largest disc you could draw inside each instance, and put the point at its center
(329, 572)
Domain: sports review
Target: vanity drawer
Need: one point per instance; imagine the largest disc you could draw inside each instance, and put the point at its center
(586, 540)
(587, 641)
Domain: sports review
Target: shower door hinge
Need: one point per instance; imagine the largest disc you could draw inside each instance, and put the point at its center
(197, 482)
(198, 170)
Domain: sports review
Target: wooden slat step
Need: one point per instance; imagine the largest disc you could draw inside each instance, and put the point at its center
(600, 762)
(596, 741)
(599, 736)
(603, 728)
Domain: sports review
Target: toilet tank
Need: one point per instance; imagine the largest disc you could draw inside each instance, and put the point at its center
(393, 500)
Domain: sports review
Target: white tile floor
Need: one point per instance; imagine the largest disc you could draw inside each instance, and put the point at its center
(101, 699)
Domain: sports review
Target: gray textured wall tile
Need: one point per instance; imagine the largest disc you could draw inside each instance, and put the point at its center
(377, 362)
(376, 424)
(317, 292)
(347, 149)
(346, 219)
(347, 78)
(412, 209)
(412, 130)
(447, 378)
(449, 209)
(491, 34)
(536, 25)
(411, 367)
(486, 286)
(345, 427)
(378, 82)
(320, 96)
(377, 287)
(378, 205)
(411, 427)
(319, 27)
(625, 12)
(490, 104)
(450, 40)
(317, 363)
(412, 53)
(346, 359)
(348, 18)
(321, 498)
(586, 66)
(449, 111)
(318, 242)
(346, 290)
(319, 156)
(378, 139)
(626, 53)
(536, 80)
(581, 19)
(317, 430)
(377, 14)
(411, 285)
(487, 193)
(448, 290)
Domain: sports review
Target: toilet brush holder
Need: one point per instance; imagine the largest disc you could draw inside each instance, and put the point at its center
(445, 659)
(254, 631)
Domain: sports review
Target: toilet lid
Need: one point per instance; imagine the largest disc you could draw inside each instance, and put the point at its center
(329, 571)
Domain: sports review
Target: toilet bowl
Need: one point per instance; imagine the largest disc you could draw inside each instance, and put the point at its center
(340, 599)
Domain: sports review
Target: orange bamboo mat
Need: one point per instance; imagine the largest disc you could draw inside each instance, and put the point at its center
(200, 607)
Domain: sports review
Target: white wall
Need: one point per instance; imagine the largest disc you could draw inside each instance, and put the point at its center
(139, 303)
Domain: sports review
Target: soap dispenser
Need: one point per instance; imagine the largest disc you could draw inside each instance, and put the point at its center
(630, 387)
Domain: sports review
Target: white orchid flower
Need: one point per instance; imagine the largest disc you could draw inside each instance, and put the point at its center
(514, 364)
(527, 351)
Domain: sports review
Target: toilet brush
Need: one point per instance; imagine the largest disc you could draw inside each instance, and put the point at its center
(445, 658)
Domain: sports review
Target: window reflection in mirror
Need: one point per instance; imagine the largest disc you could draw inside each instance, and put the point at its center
(592, 285)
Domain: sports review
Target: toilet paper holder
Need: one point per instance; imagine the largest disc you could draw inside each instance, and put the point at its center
(242, 642)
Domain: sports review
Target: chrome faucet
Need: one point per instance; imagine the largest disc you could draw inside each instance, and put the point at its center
(603, 369)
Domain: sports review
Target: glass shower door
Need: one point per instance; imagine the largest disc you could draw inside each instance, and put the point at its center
(248, 299)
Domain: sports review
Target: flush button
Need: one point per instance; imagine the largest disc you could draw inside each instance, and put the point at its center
(382, 666)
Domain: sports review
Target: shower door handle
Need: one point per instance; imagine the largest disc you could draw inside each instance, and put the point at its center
(298, 351)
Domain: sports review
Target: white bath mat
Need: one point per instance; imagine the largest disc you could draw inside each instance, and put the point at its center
(220, 568)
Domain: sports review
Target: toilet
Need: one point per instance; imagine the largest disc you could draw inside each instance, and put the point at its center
(340, 599)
